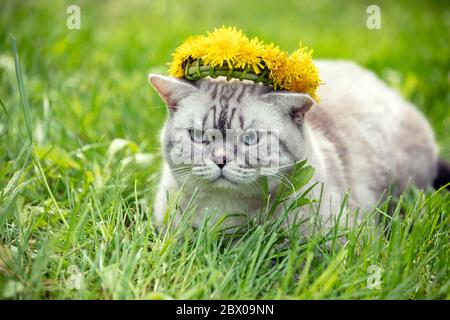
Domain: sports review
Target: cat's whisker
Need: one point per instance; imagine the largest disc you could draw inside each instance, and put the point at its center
(253, 185)
(285, 166)
(182, 175)
(281, 178)
(181, 168)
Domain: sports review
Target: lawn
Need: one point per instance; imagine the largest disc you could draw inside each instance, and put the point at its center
(80, 159)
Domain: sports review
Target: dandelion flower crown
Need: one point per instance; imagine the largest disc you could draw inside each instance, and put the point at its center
(228, 52)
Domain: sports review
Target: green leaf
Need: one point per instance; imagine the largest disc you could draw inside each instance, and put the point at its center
(302, 176)
(299, 202)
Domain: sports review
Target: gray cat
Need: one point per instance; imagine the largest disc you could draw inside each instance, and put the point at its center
(361, 138)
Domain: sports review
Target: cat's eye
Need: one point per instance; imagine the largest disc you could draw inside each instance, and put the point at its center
(198, 136)
(250, 137)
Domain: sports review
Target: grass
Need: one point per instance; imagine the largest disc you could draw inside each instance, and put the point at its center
(79, 157)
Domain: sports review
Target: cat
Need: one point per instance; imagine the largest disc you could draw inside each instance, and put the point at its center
(360, 138)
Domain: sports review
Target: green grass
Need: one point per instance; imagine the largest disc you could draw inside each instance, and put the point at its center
(68, 206)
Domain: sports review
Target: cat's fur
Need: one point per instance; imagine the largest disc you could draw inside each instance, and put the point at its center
(361, 138)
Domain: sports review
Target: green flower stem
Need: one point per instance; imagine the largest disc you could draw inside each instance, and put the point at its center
(196, 72)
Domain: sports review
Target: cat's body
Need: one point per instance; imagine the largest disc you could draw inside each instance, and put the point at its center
(361, 138)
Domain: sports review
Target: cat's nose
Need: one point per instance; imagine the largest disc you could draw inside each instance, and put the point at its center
(221, 163)
(219, 156)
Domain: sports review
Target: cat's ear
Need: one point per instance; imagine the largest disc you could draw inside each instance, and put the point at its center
(171, 90)
(296, 103)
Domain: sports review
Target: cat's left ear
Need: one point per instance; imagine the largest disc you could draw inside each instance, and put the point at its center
(297, 103)
(171, 90)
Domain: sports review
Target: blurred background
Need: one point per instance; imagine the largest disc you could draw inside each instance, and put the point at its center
(89, 86)
(95, 122)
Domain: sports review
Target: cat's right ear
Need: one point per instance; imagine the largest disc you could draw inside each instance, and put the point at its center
(171, 90)
(296, 103)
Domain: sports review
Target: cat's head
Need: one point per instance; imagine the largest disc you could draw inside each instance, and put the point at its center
(228, 134)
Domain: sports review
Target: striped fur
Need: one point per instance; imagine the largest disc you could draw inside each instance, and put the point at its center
(361, 137)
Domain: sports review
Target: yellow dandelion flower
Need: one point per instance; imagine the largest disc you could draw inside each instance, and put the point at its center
(221, 46)
(190, 48)
(271, 55)
(228, 48)
(305, 74)
(249, 55)
(277, 62)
